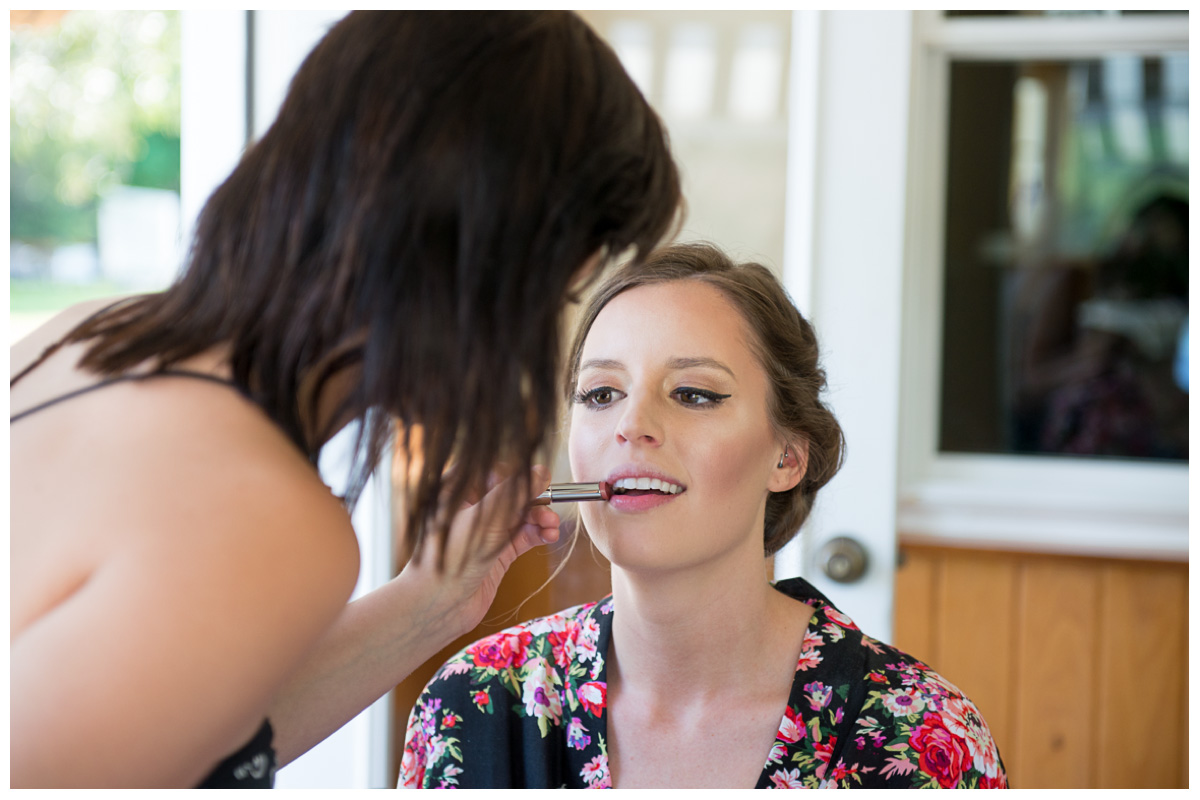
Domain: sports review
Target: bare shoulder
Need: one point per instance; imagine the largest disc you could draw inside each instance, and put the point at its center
(184, 470)
(219, 559)
(255, 485)
(28, 348)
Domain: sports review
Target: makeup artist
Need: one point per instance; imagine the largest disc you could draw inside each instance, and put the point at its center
(397, 247)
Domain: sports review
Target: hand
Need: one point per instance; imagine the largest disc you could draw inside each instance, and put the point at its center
(484, 539)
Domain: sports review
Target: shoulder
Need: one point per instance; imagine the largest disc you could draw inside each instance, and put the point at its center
(30, 346)
(188, 480)
(199, 459)
(218, 562)
(557, 654)
(919, 729)
(551, 642)
(533, 676)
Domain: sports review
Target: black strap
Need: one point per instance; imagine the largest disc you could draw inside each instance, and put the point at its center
(169, 373)
(51, 349)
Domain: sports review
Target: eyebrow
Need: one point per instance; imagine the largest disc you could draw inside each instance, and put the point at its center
(674, 363)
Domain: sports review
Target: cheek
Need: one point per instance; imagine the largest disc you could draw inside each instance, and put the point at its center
(734, 456)
(584, 441)
(583, 448)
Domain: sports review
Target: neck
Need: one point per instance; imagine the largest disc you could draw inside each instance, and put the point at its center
(322, 420)
(673, 634)
(332, 395)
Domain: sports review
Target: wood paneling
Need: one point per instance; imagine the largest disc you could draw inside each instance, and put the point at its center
(916, 584)
(976, 635)
(1144, 641)
(1055, 676)
(1079, 665)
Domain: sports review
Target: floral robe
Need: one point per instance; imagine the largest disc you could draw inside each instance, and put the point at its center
(525, 708)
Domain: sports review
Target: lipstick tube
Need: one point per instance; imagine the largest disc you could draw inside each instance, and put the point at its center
(573, 493)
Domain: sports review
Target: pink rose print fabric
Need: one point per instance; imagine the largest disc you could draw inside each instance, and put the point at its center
(525, 708)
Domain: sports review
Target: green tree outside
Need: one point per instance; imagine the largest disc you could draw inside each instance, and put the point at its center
(94, 103)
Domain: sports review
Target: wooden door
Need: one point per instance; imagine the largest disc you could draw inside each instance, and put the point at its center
(1079, 665)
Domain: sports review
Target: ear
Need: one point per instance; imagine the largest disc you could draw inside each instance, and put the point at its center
(795, 464)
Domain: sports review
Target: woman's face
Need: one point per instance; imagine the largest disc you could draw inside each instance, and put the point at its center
(671, 395)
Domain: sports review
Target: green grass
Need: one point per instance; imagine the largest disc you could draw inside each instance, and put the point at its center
(40, 296)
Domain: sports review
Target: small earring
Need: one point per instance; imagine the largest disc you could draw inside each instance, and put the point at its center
(783, 457)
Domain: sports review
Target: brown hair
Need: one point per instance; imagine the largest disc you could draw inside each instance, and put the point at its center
(418, 209)
(786, 347)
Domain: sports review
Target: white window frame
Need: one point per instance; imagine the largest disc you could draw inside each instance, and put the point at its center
(1123, 509)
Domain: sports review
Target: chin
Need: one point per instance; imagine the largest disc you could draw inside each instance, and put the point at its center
(639, 557)
(639, 545)
(639, 551)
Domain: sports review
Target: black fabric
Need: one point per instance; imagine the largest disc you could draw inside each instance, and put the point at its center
(252, 767)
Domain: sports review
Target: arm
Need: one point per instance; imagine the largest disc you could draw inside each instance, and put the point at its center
(379, 639)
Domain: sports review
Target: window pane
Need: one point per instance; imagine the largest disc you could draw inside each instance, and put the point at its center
(93, 159)
(1066, 259)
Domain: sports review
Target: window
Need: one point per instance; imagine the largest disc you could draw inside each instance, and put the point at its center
(94, 158)
(1065, 258)
(1042, 147)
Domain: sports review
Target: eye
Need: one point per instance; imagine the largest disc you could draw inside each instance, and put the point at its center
(597, 398)
(690, 396)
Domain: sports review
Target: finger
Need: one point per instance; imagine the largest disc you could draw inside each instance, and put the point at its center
(531, 536)
(539, 479)
(502, 473)
(543, 517)
(501, 511)
(499, 489)
(546, 522)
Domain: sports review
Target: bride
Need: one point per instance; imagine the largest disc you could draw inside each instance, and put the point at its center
(694, 386)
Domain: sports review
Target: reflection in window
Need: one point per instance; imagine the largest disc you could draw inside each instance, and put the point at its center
(94, 157)
(1066, 259)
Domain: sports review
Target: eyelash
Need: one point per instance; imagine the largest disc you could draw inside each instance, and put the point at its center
(712, 398)
(588, 398)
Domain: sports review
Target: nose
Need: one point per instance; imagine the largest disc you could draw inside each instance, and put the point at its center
(639, 422)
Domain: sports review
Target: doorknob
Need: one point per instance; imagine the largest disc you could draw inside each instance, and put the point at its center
(843, 559)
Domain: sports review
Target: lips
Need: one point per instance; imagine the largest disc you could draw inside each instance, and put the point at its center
(641, 489)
